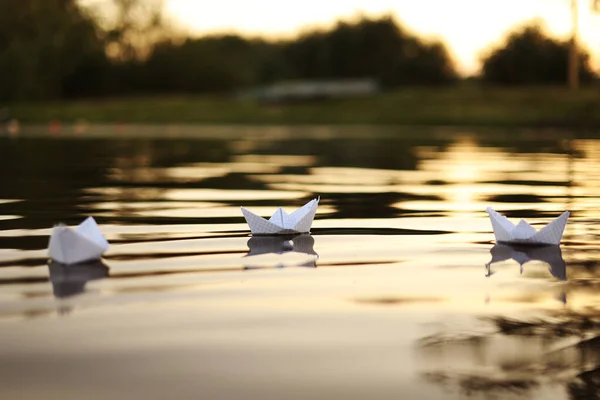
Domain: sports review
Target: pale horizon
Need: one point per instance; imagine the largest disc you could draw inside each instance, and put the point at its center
(468, 28)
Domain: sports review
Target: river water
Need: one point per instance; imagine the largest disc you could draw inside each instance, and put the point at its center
(390, 296)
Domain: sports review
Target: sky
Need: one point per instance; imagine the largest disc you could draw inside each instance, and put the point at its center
(467, 27)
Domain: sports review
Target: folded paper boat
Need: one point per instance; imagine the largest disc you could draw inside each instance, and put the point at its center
(523, 233)
(72, 246)
(282, 223)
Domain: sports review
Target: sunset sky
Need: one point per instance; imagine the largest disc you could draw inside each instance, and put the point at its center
(467, 27)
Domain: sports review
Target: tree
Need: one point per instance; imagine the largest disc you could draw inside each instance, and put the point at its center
(374, 48)
(217, 63)
(573, 72)
(56, 48)
(132, 27)
(531, 57)
(42, 42)
(367, 48)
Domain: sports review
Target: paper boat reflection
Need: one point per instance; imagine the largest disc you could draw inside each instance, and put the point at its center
(282, 223)
(72, 246)
(524, 233)
(263, 246)
(551, 255)
(69, 280)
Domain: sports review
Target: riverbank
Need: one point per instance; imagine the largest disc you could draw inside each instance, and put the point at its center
(450, 106)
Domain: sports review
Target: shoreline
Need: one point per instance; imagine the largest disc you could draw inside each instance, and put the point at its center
(457, 106)
(275, 132)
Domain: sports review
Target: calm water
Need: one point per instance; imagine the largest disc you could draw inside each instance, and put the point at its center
(390, 296)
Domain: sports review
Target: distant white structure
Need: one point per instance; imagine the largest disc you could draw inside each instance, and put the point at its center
(312, 90)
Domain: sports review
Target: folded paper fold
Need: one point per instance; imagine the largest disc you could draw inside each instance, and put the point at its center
(282, 223)
(523, 233)
(72, 246)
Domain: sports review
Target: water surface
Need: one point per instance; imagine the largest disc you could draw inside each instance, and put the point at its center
(399, 291)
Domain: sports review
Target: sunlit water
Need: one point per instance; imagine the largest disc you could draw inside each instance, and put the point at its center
(389, 297)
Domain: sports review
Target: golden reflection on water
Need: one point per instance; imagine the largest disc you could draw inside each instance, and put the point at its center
(166, 175)
(393, 275)
(271, 160)
(149, 193)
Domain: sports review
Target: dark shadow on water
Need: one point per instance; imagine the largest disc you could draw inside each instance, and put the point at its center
(69, 280)
(376, 231)
(303, 243)
(551, 255)
(473, 386)
(560, 349)
(516, 198)
(371, 205)
(521, 182)
(281, 245)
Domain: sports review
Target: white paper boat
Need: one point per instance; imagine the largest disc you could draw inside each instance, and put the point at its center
(523, 233)
(550, 254)
(282, 223)
(71, 246)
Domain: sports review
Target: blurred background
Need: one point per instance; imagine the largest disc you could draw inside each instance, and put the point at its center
(408, 118)
(233, 58)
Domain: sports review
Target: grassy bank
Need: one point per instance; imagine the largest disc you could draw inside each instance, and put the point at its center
(464, 106)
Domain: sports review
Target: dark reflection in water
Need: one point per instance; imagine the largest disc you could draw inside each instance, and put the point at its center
(50, 175)
(373, 205)
(398, 207)
(303, 243)
(69, 280)
(280, 245)
(560, 349)
(551, 255)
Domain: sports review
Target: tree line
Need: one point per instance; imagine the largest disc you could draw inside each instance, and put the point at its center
(51, 49)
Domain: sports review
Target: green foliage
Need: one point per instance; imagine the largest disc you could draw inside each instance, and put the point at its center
(134, 28)
(209, 64)
(460, 105)
(54, 49)
(375, 48)
(42, 44)
(531, 57)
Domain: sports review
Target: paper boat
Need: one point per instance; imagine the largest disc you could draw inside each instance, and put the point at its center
(551, 255)
(282, 223)
(69, 280)
(72, 246)
(294, 245)
(523, 233)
